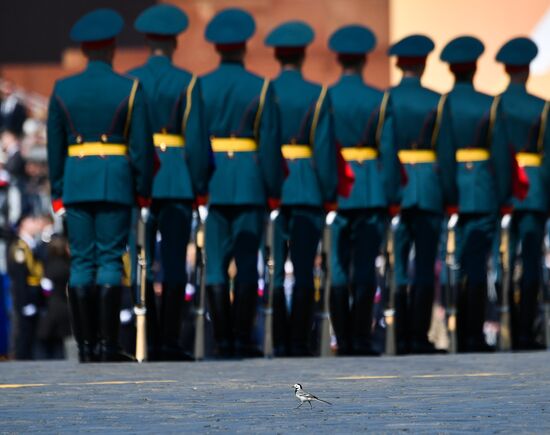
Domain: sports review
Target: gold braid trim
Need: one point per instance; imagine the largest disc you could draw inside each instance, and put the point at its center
(381, 117)
(317, 114)
(130, 107)
(260, 109)
(492, 119)
(543, 123)
(438, 119)
(188, 102)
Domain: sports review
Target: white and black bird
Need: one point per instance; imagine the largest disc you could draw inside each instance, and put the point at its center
(304, 396)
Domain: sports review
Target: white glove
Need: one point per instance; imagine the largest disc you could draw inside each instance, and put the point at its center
(274, 214)
(203, 212)
(505, 221)
(29, 310)
(331, 216)
(453, 219)
(144, 213)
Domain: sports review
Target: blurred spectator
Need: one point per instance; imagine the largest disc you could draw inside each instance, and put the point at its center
(25, 272)
(36, 190)
(12, 113)
(15, 163)
(54, 323)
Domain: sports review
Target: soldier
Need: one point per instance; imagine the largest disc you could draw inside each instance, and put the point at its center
(521, 128)
(477, 165)
(244, 130)
(100, 159)
(310, 152)
(425, 148)
(25, 272)
(364, 130)
(180, 138)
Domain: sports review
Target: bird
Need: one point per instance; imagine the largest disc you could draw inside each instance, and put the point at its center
(304, 396)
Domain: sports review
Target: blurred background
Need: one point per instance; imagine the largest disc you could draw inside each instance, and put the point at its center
(35, 51)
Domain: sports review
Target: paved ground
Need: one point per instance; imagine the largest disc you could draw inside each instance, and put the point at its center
(488, 393)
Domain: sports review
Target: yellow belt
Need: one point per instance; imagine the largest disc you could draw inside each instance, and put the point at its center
(529, 159)
(165, 140)
(97, 149)
(472, 155)
(296, 151)
(416, 156)
(232, 145)
(359, 154)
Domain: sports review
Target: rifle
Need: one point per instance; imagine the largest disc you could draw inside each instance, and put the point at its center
(505, 336)
(452, 272)
(325, 314)
(269, 284)
(200, 283)
(140, 308)
(389, 312)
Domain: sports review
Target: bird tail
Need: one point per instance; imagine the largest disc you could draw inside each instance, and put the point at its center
(324, 401)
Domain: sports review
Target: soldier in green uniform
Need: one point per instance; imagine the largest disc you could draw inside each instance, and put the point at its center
(181, 141)
(243, 125)
(100, 157)
(425, 147)
(364, 130)
(478, 193)
(309, 149)
(521, 129)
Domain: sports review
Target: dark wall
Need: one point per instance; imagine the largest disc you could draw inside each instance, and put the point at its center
(38, 30)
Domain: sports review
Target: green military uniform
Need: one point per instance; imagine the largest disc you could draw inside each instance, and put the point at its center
(478, 191)
(425, 147)
(521, 125)
(181, 141)
(309, 149)
(100, 158)
(243, 125)
(364, 130)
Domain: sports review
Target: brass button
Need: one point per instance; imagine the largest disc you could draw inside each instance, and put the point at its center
(79, 139)
(104, 138)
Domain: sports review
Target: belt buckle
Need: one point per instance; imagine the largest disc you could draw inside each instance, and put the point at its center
(469, 166)
(230, 154)
(162, 147)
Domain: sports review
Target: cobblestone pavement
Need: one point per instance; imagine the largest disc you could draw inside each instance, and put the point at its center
(461, 393)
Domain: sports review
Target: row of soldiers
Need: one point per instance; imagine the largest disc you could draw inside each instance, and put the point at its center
(350, 156)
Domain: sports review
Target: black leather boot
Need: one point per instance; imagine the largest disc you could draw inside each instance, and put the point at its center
(109, 323)
(244, 315)
(422, 306)
(402, 320)
(527, 313)
(462, 317)
(363, 299)
(280, 323)
(173, 300)
(477, 302)
(84, 312)
(219, 308)
(301, 321)
(340, 318)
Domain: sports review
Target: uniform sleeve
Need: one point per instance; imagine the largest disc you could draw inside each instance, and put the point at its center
(391, 167)
(270, 157)
(501, 157)
(141, 147)
(324, 149)
(546, 153)
(57, 146)
(197, 142)
(446, 151)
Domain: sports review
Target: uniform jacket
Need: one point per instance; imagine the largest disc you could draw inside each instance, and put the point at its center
(311, 181)
(476, 182)
(25, 272)
(175, 107)
(356, 119)
(518, 128)
(99, 105)
(231, 100)
(430, 186)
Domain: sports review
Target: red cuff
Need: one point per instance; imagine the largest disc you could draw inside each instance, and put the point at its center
(143, 202)
(506, 209)
(57, 205)
(451, 209)
(330, 206)
(273, 203)
(394, 210)
(201, 200)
